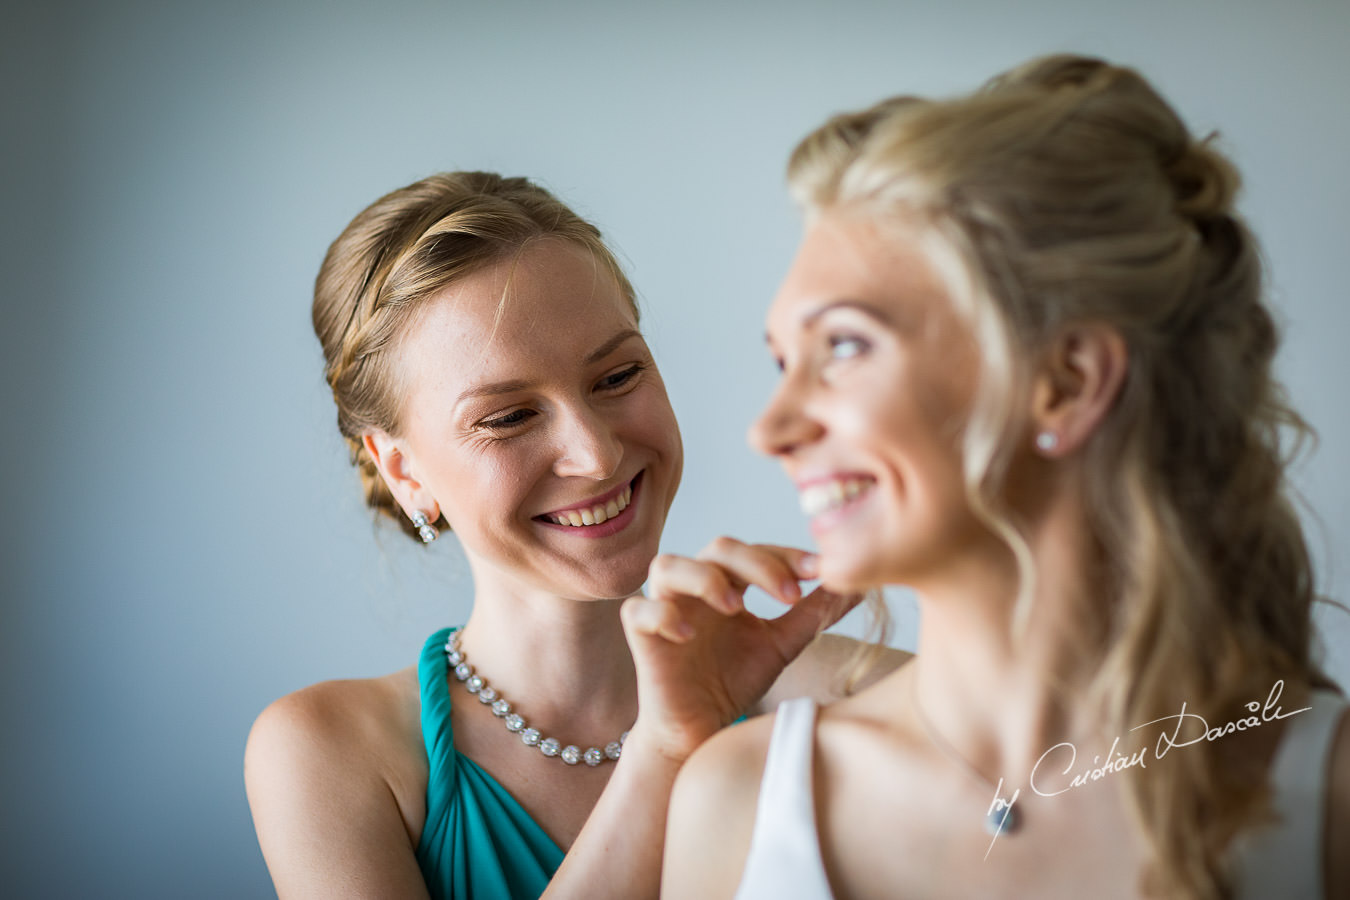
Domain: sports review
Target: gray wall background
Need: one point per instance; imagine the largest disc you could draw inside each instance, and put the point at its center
(183, 540)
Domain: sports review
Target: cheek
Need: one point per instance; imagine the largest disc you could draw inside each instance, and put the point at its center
(915, 410)
(488, 483)
(906, 439)
(868, 423)
(876, 413)
(651, 419)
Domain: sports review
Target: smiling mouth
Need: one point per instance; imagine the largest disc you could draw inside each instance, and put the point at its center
(826, 496)
(597, 512)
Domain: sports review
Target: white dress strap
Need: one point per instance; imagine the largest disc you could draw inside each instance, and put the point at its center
(1285, 858)
(784, 860)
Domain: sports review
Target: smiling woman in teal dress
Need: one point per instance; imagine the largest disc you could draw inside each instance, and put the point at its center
(491, 379)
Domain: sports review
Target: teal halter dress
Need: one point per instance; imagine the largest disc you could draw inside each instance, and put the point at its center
(478, 842)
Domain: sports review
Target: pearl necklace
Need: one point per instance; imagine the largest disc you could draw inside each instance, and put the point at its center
(514, 722)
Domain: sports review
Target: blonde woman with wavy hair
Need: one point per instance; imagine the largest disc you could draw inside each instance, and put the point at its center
(1026, 371)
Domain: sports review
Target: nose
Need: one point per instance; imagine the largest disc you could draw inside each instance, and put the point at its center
(589, 446)
(785, 423)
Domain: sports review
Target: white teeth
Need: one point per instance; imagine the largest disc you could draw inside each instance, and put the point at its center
(824, 496)
(603, 512)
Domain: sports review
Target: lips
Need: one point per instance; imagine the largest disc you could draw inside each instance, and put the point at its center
(822, 495)
(598, 516)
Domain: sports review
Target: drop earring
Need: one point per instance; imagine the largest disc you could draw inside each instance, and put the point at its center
(1047, 441)
(425, 530)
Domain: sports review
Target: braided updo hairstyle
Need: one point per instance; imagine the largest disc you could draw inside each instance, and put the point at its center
(1067, 191)
(397, 253)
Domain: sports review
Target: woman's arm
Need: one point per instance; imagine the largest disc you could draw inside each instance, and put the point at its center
(702, 660)
(317, 772)
(618, 852)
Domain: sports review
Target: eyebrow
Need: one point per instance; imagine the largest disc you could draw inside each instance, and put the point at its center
(517, 384)
(611, 345)
(866, 309)
(863, 307)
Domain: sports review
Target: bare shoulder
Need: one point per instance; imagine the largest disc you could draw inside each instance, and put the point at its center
(826, 667)
(345, 724)
(369, 702)
(725, 759)
(336, 780)
(1337, 864)
(712, 812)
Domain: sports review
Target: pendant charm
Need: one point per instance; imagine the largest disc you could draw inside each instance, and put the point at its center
(1002, 821)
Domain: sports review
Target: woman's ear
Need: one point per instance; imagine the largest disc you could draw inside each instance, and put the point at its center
(1081, 375)
(398, 469)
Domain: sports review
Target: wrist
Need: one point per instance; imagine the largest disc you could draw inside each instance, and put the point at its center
(662, 745)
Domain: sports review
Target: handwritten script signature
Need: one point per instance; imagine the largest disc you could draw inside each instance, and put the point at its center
(1194, 726)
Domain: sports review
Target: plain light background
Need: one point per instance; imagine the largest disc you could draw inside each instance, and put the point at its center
(183, 540)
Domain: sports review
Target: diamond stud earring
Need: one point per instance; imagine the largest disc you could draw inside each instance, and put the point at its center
(1047, 441)
(425, 530)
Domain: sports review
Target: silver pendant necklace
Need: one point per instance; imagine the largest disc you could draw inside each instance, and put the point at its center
(996, 821)
(515, 723)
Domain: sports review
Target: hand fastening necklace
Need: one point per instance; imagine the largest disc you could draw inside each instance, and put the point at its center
(514, 722)
(1003, 817)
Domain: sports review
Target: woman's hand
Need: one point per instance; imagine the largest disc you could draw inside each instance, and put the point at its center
(702, 659)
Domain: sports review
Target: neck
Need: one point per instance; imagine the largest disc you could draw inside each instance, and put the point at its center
(996, 688)
(563, 662)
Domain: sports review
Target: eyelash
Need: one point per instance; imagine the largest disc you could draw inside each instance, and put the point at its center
(514, 419)
(518, 417)
(619, 379)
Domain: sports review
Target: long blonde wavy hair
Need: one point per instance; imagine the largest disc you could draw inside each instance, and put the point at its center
(399, 252)
(1068, 191)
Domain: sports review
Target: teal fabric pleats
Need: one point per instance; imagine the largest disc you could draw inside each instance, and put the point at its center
(478, 842)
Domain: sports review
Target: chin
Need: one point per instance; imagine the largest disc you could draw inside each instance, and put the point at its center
(841, 574)
(845, 582)
(613, 586)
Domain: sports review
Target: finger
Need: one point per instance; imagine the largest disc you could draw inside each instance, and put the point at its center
(673, 576)
(654, 617)
(777, 570)
(805, 620)
(804, 562)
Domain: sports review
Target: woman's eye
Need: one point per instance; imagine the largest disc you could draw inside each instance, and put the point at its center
(509, 420)
(846, 346)
(619, 379)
